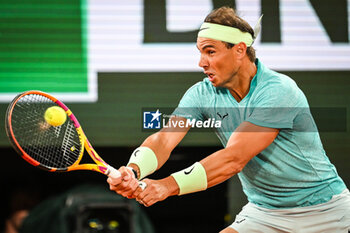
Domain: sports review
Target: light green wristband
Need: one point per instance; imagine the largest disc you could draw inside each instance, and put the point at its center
(192, 179)
(145, 159)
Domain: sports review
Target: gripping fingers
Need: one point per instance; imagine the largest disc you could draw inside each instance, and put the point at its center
(114, 175)
(140, 198)
(142, 185)
(125, 185)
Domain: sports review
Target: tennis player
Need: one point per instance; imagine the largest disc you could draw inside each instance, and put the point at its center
(269, 136)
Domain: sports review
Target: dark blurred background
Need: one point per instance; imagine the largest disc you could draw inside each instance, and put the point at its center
(46, 45)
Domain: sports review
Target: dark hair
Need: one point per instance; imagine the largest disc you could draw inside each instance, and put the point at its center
(228, 17)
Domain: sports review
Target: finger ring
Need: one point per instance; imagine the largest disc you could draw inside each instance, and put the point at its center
(141, 202)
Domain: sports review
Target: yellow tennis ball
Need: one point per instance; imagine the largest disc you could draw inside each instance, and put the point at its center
(55, 116)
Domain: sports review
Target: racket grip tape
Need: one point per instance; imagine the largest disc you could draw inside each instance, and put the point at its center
(113, 173)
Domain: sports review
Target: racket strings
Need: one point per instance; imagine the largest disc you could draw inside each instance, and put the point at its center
(53, 147)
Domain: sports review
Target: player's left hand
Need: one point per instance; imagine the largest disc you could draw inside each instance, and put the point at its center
(156, 190)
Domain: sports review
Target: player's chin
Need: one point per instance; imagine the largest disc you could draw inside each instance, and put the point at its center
(215, 83)
(212, 81)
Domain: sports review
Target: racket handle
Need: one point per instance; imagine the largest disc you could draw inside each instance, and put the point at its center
(113, 173)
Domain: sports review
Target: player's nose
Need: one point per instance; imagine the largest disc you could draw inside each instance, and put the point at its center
(203, 62)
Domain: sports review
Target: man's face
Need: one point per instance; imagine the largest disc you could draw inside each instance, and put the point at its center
(219, 63)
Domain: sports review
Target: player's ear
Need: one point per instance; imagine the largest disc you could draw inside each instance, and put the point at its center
(241, 49)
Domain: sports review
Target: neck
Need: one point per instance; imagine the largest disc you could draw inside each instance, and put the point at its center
(241, 85)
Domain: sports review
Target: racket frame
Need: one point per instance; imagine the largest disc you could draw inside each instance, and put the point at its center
(100, 166)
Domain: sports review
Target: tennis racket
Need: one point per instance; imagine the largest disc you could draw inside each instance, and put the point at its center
(55, 149)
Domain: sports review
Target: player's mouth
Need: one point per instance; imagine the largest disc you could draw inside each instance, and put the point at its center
(210, 76)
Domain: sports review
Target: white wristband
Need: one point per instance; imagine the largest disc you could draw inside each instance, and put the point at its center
(145, 159)
(192, 179)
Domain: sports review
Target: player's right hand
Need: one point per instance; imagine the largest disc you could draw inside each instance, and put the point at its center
(128, 184)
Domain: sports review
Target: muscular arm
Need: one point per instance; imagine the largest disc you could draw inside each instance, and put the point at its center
(247, 141)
